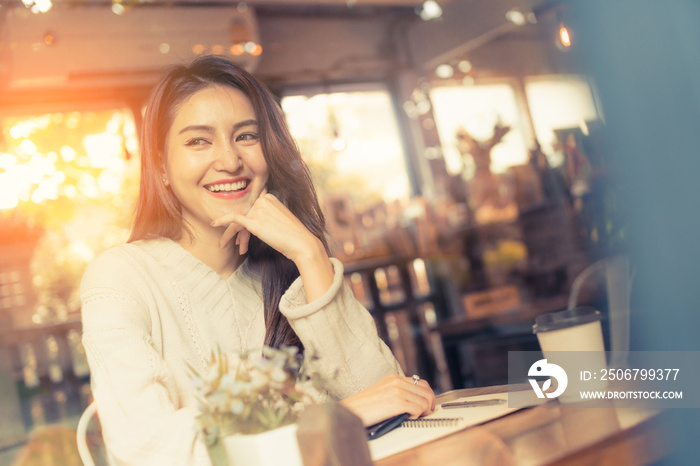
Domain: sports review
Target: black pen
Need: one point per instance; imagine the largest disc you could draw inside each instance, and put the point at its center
(386, 426)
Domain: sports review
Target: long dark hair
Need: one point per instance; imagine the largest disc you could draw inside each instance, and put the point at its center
(158, 212)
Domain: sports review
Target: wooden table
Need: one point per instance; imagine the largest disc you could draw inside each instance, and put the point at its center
(554, 435)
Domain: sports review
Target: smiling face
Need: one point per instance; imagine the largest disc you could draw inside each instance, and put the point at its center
(214, 162)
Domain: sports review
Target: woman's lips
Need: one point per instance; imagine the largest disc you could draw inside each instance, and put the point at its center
(228, 189)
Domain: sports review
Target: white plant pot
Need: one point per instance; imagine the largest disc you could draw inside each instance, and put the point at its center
(272, 448)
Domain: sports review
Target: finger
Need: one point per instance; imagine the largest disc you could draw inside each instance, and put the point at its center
(226, 219)
(243, 239)
(415, 404)
(422, 388)
(407, 397)
(425, 404)
(431, 396)
(230, 232)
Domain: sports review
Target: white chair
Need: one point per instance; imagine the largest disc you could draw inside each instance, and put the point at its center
(83, 450)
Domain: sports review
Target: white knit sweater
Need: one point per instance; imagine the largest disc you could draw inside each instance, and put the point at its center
(150, 309)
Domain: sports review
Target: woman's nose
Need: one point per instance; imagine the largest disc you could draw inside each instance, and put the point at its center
(228, 158)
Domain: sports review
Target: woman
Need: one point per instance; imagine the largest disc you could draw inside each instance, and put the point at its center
(228, 251)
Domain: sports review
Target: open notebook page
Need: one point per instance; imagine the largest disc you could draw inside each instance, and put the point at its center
(403, 438)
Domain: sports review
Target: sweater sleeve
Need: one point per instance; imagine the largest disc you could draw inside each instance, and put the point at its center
(342, 334)
(140, 421)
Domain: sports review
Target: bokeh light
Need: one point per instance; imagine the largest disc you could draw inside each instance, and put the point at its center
(101, 148)
(37, 167)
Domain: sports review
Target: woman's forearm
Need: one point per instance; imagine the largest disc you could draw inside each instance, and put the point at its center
(316, 271)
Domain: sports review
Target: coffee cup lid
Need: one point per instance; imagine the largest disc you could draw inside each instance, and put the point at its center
(564, 319)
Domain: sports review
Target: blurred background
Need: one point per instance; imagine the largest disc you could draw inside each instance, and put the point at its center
(472, 159)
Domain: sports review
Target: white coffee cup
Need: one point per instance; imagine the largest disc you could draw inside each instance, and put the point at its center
(573, 340)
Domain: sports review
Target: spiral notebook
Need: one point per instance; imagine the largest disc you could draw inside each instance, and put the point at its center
(438, 424)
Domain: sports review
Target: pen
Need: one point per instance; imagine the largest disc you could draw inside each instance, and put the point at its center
(386, 426)
(473, 404)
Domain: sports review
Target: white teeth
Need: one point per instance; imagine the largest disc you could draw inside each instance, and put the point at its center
(227, 186)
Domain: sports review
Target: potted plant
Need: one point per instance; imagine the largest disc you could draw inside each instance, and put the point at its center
(249, 402)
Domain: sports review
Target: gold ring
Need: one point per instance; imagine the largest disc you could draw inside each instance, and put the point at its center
(415, 379)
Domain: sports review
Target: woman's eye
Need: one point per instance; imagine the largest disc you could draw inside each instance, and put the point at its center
(247, 137)
(196, 142)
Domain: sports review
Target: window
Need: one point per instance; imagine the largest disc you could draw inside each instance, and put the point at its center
(559, 102)
(74, 176)
(350, 140)
(478, 109)
(59, 160)
(349, 137)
